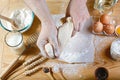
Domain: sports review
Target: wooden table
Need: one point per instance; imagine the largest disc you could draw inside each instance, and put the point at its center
(102, 56)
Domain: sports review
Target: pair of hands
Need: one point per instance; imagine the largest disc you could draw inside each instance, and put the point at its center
(49, 31)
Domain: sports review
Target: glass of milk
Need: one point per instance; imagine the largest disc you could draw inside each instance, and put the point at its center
(14, 40)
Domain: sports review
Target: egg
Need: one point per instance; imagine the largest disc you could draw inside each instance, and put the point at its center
(98, 27)
(117, 30)
(105, 19)
(109, 29)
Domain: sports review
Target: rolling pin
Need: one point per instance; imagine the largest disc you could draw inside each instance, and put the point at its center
(11, 67)
(19, 60)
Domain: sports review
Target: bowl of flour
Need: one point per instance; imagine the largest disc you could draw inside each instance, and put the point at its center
(23, 19)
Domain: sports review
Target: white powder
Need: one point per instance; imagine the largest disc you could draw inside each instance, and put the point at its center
(68, 69)
(80, 47)
(22, 18)
(115, 50)
(14, 40)
(102, 44)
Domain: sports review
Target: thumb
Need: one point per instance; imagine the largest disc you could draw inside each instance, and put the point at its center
(55, 45)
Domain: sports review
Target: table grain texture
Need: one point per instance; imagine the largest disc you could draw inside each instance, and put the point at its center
(102, 56)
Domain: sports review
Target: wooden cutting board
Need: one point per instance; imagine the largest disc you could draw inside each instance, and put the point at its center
(82, 72)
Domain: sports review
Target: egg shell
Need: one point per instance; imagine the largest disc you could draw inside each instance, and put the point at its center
(98, 27)
(109, 29)
(105, 19)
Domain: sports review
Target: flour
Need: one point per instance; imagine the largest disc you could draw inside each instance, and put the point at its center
(115, 50)
(21, 17)
(79, 48)
(15, 42)
(68, 69)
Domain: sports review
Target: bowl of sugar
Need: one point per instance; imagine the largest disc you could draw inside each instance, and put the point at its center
(23, 18)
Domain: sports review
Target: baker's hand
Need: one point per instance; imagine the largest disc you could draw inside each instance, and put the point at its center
(48, 34)
(77, 9)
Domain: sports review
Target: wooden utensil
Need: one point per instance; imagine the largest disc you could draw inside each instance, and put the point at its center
(10, 68)
(26, 63)
(30, 69)
(10, 20)
(15, 62)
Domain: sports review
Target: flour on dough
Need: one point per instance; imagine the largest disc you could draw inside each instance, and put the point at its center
(64, 33)
(79, 48)
(76, 49)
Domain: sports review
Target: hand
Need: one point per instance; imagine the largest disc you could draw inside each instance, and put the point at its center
(48, 34)
(77, 9)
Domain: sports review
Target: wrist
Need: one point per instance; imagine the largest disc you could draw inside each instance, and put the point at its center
(48, 23)
(79, 1)
(83, 1)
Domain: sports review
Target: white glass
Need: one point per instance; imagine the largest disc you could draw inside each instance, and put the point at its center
(14, 40)
(105, 6)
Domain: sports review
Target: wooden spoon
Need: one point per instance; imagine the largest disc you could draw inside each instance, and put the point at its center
(10, 20)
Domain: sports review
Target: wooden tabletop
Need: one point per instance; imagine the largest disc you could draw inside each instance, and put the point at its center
(83, 71)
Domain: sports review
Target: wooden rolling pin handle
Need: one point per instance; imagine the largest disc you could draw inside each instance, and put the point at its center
(10, 68)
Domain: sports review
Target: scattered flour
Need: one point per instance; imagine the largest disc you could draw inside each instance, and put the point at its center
(80, 47)
(67, 69)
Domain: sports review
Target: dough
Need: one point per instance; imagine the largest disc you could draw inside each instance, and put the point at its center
(76, 49)
(80, 47)
(65, 33)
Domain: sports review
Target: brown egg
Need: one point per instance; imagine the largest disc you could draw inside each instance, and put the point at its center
(109, 29)
(105, 19)
(98, 27)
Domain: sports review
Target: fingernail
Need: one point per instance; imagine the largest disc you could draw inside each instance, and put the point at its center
(57, 53)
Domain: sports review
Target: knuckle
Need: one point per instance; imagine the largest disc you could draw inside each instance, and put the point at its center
(41, 43)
